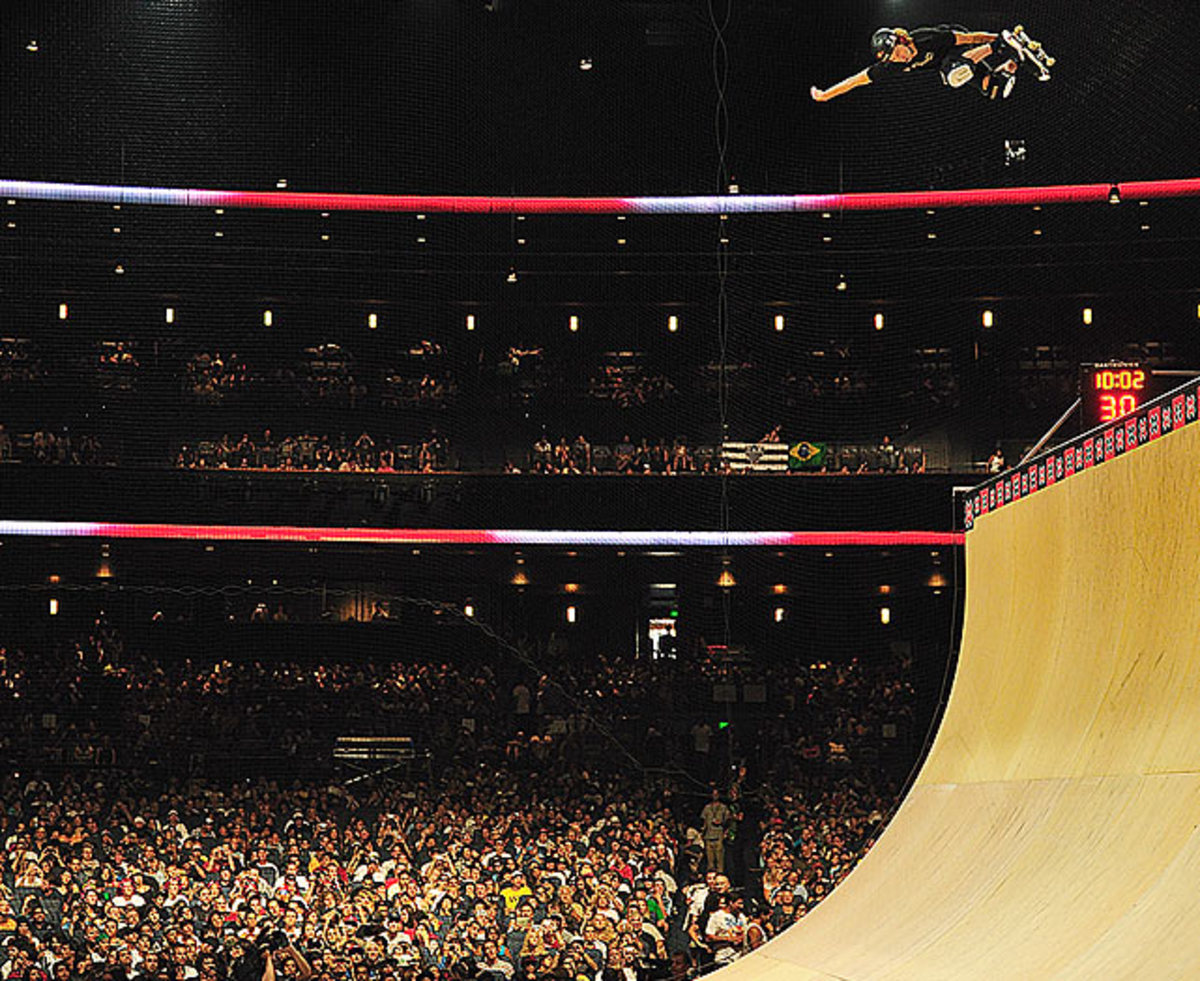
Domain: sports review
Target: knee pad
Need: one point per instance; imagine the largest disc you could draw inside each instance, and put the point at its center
(999, 79)
(957, 72)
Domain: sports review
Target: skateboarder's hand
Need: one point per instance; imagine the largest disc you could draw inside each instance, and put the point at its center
(818, 95)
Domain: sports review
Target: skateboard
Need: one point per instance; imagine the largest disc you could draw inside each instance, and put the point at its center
(1030, 52)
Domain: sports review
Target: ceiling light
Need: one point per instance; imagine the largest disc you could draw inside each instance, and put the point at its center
(1087, 316)
(268, 318)
(673, 323)
(119, 270)
(62, 311)
(512, 275)
(573, 324)
(170, 315)
(281, 183)
(1114, 195)
(470, 321)
(32, 46)
(879, 321)
(585, 64)
(988, 318)
(779, 322)
(372, 320)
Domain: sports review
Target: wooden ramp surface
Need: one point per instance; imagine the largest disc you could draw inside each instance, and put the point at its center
(1053, 831)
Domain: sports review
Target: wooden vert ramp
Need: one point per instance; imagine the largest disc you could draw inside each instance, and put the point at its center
(1053, 831)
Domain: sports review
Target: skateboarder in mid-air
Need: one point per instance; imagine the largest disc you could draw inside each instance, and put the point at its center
(987, 62)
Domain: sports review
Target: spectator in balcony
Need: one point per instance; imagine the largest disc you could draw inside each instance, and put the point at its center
(681, 459)
(624, 454)
(581, 455)
(543, 455)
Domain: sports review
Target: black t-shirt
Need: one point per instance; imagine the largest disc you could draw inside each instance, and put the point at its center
(933, 44)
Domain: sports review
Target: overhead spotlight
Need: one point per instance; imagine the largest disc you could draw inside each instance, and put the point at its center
(1087, 316)
(32, 46)
(989, 318)
(470, 321)
(673, 324)
(281, 183)
(63, 311)
(780, 613)
(885, 615)
(119, 270)
(512, 275)
(573, 324)
(268, 318)
(585, 64)
(571, 614)
(169, 315)
(372, 321)
(841, 284)
(469, 609)
(1114, 195)
(734, 188)
(879, 321)
(779, 322)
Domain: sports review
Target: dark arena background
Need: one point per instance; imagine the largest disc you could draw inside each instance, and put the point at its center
(549, 561)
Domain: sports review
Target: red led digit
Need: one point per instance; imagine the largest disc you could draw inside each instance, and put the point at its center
(1126, 404)
(1108, 408)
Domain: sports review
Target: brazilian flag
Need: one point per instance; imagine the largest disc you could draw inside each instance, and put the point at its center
(806, 456)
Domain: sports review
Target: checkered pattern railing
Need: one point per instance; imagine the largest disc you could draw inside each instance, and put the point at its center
(1174, 410)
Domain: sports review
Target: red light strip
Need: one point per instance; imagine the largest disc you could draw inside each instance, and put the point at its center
(694, 204)
(458, 536)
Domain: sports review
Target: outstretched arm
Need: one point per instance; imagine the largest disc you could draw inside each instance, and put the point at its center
(975, 37)
(842, 87)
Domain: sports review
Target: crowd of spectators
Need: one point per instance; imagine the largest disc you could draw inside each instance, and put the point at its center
(316, 453)
(529, 848)
(19, 362)
(629, 385)
(212, 377)
(50, 448)
(579, 456)
(678, 455)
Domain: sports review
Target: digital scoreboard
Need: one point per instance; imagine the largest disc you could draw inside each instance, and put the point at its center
(1110, 391)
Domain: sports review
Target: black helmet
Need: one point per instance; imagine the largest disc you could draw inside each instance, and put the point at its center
(883, 41)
